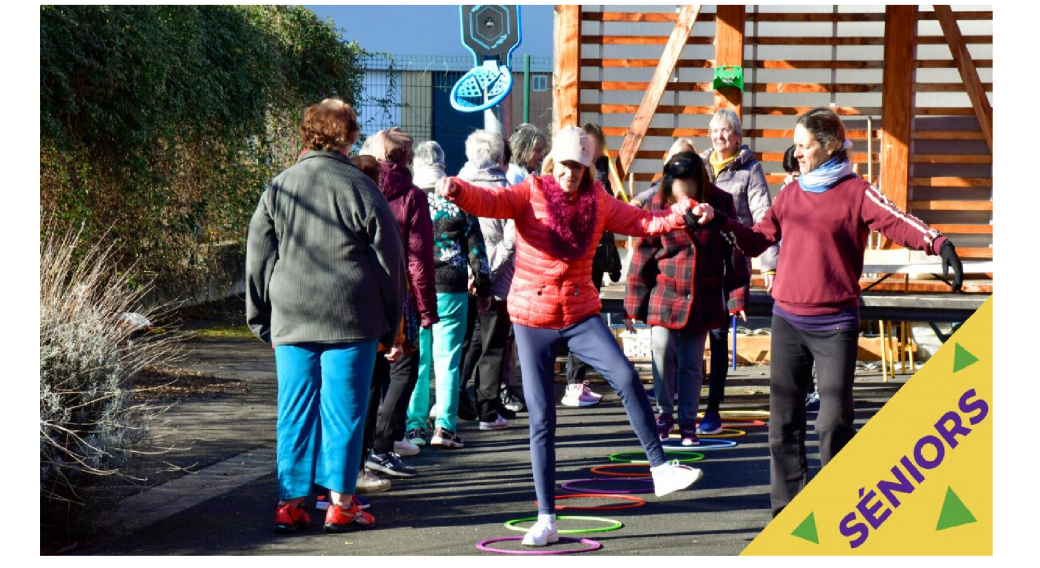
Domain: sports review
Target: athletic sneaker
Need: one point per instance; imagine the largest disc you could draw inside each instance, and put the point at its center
(499, 424)
(321, 503)
(510, 401)
(579, 394)
(339, 519)
(404, 448)
(288, 519)
(443, 438)
(361, 502)
(670, 477)
(710, 424)
(541, 534)
(416, 436)
(664, 425)
(688, 434)
(368, 483)
(390, 464)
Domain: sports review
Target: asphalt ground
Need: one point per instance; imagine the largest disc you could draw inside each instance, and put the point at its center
(461, 496)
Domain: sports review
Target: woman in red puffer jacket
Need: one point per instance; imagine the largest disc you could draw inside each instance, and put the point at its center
(558, 220)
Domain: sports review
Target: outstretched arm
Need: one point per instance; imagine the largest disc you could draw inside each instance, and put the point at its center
(628, 220)
(493, 202)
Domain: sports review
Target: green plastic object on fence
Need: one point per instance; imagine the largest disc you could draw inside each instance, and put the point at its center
(729, 76)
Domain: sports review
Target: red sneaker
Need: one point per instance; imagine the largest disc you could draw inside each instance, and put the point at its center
(338, 519)
(288, 519)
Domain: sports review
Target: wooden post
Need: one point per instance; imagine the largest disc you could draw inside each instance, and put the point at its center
(970, 75)
(897, 103)
(645, 113)
(567, 66)
(729, 50)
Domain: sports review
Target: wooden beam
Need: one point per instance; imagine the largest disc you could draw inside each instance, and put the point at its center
(970, 75)
(641, 121)
(566, 68)
(729, 50)
(897, 103)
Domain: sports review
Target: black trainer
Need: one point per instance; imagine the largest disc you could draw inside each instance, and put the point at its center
(510, 401)
(390, 464)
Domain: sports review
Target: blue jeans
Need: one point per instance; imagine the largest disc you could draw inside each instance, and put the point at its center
(322, 400)
(591, 341)
(678, 360)
(446, 355)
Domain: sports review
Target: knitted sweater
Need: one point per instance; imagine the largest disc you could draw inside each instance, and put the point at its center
(324, 259)
(458, 248)
(824, 236)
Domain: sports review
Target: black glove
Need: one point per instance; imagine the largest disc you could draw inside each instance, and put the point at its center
(951, 260)
(716, 223)
(615, 275)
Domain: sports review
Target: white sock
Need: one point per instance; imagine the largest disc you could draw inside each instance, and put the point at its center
(549, 518)
(659, 467)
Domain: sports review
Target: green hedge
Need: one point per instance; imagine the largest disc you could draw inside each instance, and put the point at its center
(161, 125)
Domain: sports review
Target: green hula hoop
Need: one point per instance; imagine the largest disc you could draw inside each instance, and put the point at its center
(612, 525)
(689, 456)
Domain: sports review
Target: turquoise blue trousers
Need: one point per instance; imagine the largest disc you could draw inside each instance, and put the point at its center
(443, 344)
(322, 400)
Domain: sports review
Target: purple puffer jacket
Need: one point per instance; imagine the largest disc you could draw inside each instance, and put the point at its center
(411, 209)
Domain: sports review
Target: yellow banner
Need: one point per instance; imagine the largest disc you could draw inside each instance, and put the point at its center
(918, 477)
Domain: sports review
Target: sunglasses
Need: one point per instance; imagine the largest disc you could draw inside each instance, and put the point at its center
(682, 169)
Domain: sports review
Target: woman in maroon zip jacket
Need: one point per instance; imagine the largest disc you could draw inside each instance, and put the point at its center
(824, 218)
(678, 283)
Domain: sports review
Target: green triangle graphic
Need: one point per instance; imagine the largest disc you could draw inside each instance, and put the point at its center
(961, 358)
(807, 530)
(954, 513)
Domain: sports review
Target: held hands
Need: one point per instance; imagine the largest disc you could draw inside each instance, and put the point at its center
(950, 260)
(700, 216)
(446, 187)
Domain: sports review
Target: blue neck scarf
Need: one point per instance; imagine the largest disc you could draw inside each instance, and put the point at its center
(826, 176)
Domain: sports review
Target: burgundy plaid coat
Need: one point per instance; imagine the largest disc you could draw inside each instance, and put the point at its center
(675, 276)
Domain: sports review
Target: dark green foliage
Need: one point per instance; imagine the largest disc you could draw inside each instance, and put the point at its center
(161, 125)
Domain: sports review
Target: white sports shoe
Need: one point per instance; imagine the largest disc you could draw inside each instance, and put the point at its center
(500, 423)
(405, 448)
(670, 477)
(541, 534)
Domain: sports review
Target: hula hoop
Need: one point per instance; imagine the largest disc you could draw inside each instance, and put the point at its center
(706, 444)
(741, 414)
(725, 433)
(572, 485)
(604, 470)
(690, 456)
(635, 502)
(590, 545)
(612, 525)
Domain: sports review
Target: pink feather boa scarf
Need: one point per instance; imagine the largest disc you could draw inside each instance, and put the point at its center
(571, 234)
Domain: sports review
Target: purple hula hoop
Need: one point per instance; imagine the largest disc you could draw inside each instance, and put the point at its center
(589, 543)
(571, 485)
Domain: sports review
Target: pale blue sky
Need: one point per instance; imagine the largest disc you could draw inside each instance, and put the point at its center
(429, 29)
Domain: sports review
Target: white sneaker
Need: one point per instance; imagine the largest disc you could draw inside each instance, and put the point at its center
(404, 448)
(541, 534)
(368, 483)
(580, 395)
(670, 477)
(499, 424)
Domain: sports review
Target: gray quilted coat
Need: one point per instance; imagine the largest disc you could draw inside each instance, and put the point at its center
(744, 179)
